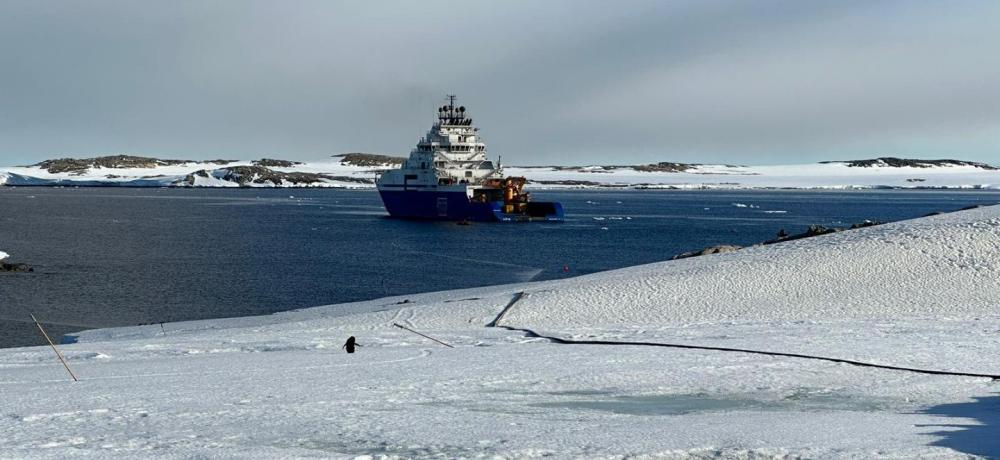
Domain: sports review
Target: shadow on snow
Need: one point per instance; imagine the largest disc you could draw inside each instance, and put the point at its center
(978, 435)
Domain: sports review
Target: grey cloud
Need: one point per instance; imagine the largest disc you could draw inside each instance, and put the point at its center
(549, 82)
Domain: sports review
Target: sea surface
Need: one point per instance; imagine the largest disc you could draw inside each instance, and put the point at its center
(114, 257)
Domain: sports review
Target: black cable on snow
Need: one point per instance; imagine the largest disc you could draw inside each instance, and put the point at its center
(852, 362)
(496, 321)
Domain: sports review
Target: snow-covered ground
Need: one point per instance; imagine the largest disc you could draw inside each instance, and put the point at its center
(920, 293)
(175, 175)
(824, 176)
(803, 176)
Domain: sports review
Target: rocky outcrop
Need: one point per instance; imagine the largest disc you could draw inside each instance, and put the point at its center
(722, 248)
(666, 166)
(23, 268)
(247, 176)
(272, 163)
(893, 162)
(369, 159)
(81, 165)
(813, 230)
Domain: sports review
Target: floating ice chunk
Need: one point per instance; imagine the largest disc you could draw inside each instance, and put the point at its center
(598, 218)
(775, 212)
(3, 255)
(739, 205)
(604, 228)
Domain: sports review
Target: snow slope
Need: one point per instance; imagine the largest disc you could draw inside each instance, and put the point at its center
(919, 293)
(824, 176)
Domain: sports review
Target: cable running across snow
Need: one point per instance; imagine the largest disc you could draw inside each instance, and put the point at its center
(520, 295)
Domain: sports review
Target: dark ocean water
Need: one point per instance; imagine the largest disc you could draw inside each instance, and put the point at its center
(112, 257)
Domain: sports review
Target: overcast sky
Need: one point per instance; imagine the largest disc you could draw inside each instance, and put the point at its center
(548, 82)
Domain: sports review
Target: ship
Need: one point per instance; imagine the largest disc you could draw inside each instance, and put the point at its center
(449, 177)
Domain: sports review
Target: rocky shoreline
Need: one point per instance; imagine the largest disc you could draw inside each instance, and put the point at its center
(813, 230)
(782, 236)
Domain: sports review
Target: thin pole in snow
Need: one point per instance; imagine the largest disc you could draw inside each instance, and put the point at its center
(53, 345)
(422, 335)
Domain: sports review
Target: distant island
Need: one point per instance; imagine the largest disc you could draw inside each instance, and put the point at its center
(360, 170)
(892, 162)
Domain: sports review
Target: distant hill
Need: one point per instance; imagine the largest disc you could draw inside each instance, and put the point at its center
(893, 162)
(360, 170)
(369, 159)
(81, 165)
(245, 176)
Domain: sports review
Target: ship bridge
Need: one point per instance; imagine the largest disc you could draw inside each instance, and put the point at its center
(453, 148)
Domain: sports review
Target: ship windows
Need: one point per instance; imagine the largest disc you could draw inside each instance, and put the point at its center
(410, 177)
(468, 174)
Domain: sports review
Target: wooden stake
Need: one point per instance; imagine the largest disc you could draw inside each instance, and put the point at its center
(63, 360)
(422, 335)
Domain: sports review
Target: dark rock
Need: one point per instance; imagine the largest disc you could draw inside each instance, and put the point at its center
(80, 166)
(246, 175)
(23, 268)
(894, 162)
(813, 230)
(722, 248)
(866, 223)
(369, 159)
(272, 163)
(665, 166)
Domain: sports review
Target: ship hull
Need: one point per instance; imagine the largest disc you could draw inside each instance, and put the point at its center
(455, 205)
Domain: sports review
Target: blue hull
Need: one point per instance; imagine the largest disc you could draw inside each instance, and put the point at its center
(434, 205)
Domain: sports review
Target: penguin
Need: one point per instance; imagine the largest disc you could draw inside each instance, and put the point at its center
(350, 344)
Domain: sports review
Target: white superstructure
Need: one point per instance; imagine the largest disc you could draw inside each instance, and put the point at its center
(451, 153)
